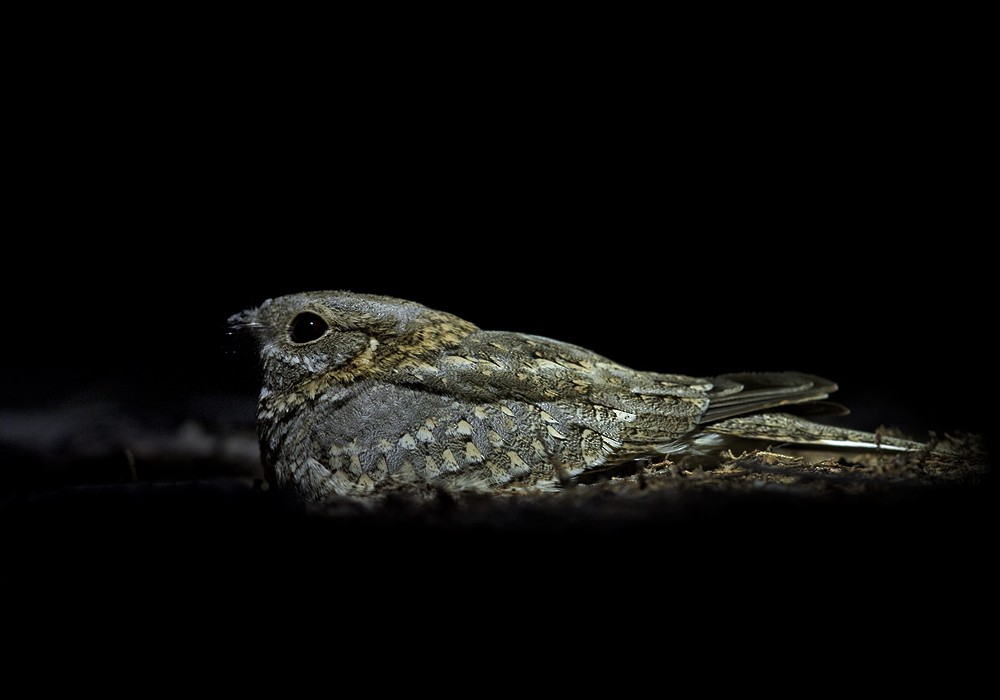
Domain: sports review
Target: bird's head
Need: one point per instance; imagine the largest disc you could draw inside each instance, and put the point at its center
(313, 340)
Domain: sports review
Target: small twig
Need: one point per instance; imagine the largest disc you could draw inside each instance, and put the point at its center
(130, 459)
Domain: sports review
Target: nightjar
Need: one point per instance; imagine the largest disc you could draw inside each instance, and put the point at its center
(362, 392)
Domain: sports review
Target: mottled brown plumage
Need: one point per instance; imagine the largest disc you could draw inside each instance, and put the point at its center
(362, 392)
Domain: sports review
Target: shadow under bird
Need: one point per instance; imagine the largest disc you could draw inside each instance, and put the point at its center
(362, 392)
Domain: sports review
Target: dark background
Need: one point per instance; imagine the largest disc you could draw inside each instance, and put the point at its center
(700, 241)
(901, 331)
(733, 218)
(722, 214)
(709, 197)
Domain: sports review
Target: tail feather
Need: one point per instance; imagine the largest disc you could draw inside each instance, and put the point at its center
(740, 394)
(783, 428)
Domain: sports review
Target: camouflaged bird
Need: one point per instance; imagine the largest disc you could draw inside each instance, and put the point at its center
(362, 392)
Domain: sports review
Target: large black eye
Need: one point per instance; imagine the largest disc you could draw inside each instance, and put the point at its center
(307, 327)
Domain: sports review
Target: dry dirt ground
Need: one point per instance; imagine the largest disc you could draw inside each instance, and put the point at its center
(165, 502)
(192, 496)
(147, 536)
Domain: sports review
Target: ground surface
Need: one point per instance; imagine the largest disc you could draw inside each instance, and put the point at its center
(90, 479)
(128, 531)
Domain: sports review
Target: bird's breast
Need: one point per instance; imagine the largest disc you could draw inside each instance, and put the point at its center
(388, 434)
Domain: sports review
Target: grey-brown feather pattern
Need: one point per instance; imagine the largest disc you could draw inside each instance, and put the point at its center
(361, 391)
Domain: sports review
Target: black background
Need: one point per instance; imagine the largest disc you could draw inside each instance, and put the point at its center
(832, 236)
(699, 197)
(696, 221)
